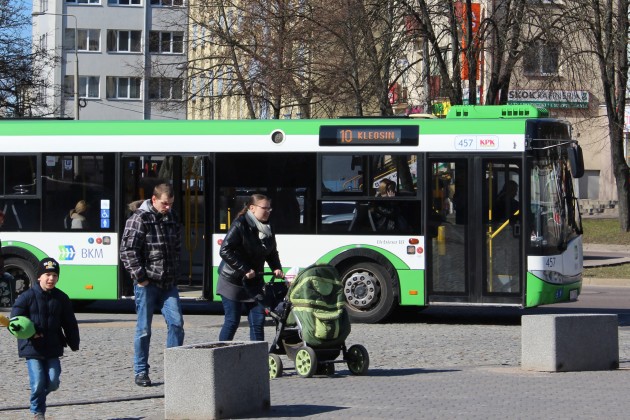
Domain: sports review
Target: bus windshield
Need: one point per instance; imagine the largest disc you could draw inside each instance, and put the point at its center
(554, 213)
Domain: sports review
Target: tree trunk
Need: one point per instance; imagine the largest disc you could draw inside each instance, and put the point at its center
(622, 176)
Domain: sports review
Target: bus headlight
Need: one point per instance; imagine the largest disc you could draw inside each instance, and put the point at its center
(555, 277)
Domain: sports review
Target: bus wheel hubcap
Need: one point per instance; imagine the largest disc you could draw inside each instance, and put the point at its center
(361, 289)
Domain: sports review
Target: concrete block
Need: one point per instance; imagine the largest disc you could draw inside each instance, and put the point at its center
(572, 342)
(216, 380)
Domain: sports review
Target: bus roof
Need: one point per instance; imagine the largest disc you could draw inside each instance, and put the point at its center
(474, 120)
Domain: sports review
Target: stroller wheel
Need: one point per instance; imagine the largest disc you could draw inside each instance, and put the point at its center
(306, 362)
(275, 366)
(327, 369)
(358, 359)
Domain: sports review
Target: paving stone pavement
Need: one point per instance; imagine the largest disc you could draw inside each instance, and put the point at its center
(417, 370)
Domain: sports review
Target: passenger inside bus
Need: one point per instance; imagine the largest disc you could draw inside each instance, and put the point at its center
(386, 214)
(506, 206)
(76, 217)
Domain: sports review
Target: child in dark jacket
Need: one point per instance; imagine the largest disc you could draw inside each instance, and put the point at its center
(56, 326)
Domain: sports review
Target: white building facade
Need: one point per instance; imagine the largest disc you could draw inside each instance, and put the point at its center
(127, 52)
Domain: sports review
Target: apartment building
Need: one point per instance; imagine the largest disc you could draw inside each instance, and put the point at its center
(126, 56)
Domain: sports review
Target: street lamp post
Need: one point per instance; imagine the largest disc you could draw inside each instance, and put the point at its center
(76, 57)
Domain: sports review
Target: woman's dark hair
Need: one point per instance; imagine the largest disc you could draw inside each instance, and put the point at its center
(253, 199)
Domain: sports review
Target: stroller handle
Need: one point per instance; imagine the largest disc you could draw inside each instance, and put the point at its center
(262, 274)
(268, 273)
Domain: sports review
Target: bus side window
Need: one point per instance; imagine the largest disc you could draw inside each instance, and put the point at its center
(71, 179)
(19, 175)
(285, 217)
(18, 184)
(342, 174)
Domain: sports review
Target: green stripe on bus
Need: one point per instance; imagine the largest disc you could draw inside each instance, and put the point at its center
(244, 127)
(97, 282)
(35, 251)
(411, 287)
(392, 258)
(542, 293)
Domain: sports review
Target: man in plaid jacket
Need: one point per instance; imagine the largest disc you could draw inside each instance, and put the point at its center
(150, 252)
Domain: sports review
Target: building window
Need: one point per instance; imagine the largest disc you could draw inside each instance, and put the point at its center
(167, 2)
(165, 88)
(124, 2)
(166, 42)
(124, 41)
(41, 97)
(542, 60)
(89, 39)
(43, 5)
(88, 86)
(84, 1)
(123, 87)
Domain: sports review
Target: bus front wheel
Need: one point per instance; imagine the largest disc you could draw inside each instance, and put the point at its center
(368, 291)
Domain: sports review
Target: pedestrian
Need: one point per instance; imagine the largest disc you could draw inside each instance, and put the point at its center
(150, 252)
(248, 244)
(56, 327)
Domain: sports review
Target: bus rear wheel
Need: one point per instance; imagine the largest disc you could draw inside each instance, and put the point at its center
(23, 272)
(368, 291)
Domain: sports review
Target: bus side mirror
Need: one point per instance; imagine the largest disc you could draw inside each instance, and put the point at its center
(576, 161)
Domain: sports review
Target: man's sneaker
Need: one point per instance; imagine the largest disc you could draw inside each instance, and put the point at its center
(39, 416)
(142, 379)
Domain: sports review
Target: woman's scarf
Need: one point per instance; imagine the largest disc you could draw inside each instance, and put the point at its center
(264, 230)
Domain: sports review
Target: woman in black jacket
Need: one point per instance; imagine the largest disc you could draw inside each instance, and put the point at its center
(56, 327)
(246, 247)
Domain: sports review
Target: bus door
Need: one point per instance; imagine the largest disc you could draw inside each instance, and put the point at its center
(186, 173)
(473, 234)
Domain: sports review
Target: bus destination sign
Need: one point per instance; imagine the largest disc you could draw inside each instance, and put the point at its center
(402, 135)
(368, 135)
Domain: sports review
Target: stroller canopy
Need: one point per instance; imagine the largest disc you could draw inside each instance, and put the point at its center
(318, 304)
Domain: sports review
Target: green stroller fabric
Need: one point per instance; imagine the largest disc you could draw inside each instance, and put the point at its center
(318, 303)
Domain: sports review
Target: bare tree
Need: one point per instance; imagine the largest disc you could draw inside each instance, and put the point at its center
(441, 28)
(606, 25)
(18, 72)
(362, 49)
(460, 35)
(503, 31)
(287, 54)
(24, 66)
(256, 52)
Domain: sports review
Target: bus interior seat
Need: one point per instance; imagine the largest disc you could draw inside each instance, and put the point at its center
(362, 218)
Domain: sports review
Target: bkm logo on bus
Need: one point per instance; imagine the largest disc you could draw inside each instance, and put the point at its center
(66, 252)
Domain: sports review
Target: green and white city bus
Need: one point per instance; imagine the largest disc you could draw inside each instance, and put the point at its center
(448, 235)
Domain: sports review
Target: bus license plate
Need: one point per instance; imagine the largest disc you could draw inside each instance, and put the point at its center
(573, 294)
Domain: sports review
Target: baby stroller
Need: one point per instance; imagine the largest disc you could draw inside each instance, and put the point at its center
(312, 325)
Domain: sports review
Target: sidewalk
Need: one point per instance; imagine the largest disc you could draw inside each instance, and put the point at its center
(417, 371)
(600, 255)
